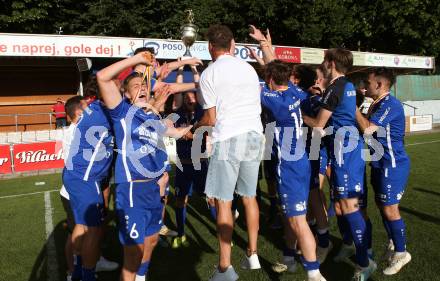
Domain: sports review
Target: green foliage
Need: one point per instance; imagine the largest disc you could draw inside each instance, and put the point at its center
(408, 26)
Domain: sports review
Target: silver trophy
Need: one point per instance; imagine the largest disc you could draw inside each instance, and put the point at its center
(189, 33)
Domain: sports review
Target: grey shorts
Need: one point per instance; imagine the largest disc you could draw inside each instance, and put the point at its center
(233, 167)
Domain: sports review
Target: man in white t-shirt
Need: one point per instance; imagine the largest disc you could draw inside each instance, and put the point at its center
(230, 96)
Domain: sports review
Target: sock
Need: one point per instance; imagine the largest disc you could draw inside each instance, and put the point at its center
(288, 252)
(213, 212)
(323, 237)
(143, 268)
(77, 268)
(344, 230)
(387, 227)
(369, 234)
(398, 228)
(88, 274)
(234, 203)
(273, 209)
(358, 228)
(180, 221)
(310, 265)
(331, 210)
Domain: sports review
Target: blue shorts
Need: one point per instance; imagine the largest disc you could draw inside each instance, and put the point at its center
(86, 200)
(190, 179)
(293, 187)
(389, 183)
(347, 178)
(139, 211)
(363, 199)
(324, 161)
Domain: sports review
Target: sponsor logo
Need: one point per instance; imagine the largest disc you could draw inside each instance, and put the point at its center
(38, 156)
(153, 45)
(301, 206)
(351, 93)
(3, 161)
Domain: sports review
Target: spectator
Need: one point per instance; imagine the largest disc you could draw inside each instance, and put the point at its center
(60, 114)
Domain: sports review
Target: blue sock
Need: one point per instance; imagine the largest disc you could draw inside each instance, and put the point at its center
(143, 268)
(309, 265)
(88, 274)
(344, 230)
(387, 227)
(287, 252)
(180, 221)
(213, 212)
(323, 238)
(398, 233)
(358, 228)
(77, 268)
(273, 209)
(369, 234)
(331, 210)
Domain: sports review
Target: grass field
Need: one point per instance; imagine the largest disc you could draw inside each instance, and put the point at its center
(24, 245)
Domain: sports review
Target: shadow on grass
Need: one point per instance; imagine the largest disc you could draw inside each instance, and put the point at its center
(421, 215)
(427, 191)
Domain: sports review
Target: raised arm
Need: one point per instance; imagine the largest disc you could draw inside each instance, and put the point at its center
(108, 89)
(265, 43)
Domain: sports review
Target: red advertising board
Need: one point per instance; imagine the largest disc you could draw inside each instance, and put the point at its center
(38, 156)
(5, 160)
(288, 54)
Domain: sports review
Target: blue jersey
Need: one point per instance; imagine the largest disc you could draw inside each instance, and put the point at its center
(340, 99)
(388, 114)
(183, 147)
(139, 140)
(285, 108)
(91, 150)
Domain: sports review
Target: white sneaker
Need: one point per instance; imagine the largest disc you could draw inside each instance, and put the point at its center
(364, 273)
(104, 264)
(398, 261)
(228, 275)
(140, 278)
(318, 277)
(322, 253)
(288, 264)
(345, 252)
(251, 262)
(165, 231)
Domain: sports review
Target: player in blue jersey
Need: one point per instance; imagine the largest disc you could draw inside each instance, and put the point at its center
(305, 77)
(87, 165)
(338, 113)
(283, 100)
(141, 161)
(385, 122)
(189, 177)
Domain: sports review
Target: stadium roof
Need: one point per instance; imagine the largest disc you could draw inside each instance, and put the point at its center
(42, 45)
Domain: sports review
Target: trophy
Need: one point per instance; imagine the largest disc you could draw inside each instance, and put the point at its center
(189, 33)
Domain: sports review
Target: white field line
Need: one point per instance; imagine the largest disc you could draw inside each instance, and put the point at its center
(51, 251)
(26, 194)
(419, 143)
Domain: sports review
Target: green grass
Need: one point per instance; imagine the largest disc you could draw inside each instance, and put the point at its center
(23, 238)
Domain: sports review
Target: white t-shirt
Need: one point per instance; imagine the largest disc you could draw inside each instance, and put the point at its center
(232, 86)
(67, 140)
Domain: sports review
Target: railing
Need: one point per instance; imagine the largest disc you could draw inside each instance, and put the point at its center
(413, 107)
(16, 122)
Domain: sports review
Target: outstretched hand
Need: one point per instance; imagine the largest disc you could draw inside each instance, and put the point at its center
(256, 33)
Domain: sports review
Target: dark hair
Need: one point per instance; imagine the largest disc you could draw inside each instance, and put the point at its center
(278, 71)
(305, 74)
(91, 89)
(220, 37)
(143, 49)
(342, 58)
(321, 68)
(132, 75)
(72, 105)
(385, 73)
